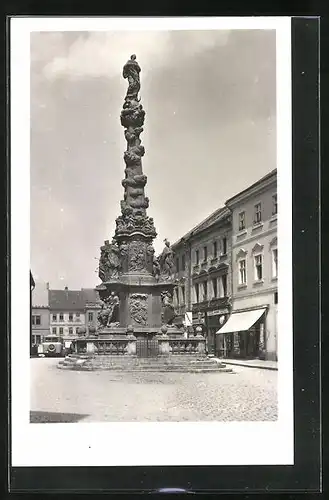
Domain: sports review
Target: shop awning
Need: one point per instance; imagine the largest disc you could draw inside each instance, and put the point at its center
(241, 321)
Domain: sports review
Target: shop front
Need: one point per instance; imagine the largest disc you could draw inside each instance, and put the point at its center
(210, 317)
(243, 335)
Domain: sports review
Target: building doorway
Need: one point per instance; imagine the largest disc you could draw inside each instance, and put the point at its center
(249, 343)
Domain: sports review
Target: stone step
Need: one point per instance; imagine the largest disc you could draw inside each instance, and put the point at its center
(87, 366)
(178, 363)
(150, 370)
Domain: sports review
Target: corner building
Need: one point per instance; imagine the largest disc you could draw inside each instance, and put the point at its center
(251, 330)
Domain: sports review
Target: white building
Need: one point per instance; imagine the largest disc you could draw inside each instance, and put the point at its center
(251, 330)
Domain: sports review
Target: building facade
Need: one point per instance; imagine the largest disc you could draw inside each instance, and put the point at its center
(71, 310)
(40, 312)
(203, 273)
(92, 308)
(32, 285)
(251, 330)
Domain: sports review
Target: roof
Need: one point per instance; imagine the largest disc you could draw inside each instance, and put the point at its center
(91, 295)
(253, 186)
(71, 300)
(213, 218)
(40, 295)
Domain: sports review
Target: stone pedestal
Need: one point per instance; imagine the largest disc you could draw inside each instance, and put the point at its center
(91, 348)
(201, 342)
(164, 346)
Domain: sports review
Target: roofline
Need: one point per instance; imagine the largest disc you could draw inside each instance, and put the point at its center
(266, 177)
(194, 231)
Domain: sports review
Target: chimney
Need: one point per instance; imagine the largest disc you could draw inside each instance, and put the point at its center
(66, 288)
(47, 285)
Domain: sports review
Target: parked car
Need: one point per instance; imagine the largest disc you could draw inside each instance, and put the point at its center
(51, 346)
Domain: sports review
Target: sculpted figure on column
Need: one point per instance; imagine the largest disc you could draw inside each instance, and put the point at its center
(167, 260)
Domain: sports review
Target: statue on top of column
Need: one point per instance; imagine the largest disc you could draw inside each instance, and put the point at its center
(131, 71)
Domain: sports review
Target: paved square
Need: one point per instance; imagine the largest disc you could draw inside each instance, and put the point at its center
(248, 394)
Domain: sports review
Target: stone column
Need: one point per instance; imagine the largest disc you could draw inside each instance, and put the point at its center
(163, 340)
(131, 346)
(201, 348)
(91, 348)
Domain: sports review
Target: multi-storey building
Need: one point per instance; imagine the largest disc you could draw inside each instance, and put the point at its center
(203, 274)
(40, 312)
(251, 330)
(32, 285)
(72, 309)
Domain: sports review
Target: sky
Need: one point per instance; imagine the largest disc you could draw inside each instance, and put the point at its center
(209, 132)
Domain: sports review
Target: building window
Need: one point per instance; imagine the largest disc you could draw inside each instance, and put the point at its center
(205, 253)
(242, 221)
(258, 213)
(215, 249)
(54, 317)
(242, 272)
(275, 297)
(224, 285)
(197, 257)
(70, 330)
(77, 316)
(90, 316)
(258, 267)
(61, 331)
(214, 287)
(224, 246)
(177, 265)
(183, 294)
(275, 263)
(70, 316)
(183, 262)
(61, 317)
(36, 320)
(196, 288)
(274, 204)
(205, 290)
(54, 330)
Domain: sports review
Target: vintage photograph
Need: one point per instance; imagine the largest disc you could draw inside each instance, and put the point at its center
(153, 226)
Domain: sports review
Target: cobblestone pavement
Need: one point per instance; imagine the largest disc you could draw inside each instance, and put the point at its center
(71, 396)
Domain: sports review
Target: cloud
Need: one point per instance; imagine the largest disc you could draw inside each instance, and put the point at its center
(101, 54)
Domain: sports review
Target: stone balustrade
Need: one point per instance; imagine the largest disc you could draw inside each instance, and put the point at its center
(125, 344)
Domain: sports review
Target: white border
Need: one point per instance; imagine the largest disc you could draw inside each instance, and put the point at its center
(142, 443)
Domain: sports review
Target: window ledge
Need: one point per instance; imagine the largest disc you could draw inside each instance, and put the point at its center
(223, 255)
(274, 217)
(275, 278)
(242, 232)
(242, 285)
(258, 282)
(257, 225)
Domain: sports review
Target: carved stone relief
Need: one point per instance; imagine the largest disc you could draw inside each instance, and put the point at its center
(138, 308)
(137, 256)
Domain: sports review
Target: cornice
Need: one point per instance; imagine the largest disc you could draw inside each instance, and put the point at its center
(253, 190)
